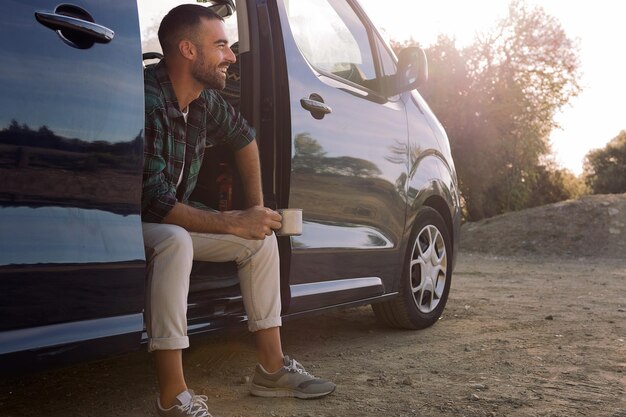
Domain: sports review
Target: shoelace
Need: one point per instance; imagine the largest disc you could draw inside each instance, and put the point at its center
(297, 367)
(197, 406)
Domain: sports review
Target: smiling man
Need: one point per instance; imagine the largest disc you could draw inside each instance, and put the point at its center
(184, 114)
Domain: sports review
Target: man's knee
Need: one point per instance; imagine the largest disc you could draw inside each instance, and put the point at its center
(167, 240)
(178, 238)
(268, 246)
(258, 249)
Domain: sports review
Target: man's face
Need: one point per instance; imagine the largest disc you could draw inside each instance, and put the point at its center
(214, 54)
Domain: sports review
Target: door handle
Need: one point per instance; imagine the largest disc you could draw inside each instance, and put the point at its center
(60, 22)
(315, 104)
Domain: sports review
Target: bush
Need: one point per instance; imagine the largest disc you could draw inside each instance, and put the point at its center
(605, 169)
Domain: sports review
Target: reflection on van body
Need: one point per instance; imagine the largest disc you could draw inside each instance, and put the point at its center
(68, 235)
(315, 236)
(41, 168)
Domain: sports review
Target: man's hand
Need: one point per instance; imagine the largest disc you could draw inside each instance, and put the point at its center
(254, 223)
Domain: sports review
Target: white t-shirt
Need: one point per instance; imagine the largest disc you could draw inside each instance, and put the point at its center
(185, 112)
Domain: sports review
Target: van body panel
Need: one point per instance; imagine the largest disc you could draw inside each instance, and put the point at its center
(71, 123)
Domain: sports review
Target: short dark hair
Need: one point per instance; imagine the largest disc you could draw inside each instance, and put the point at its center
(180, 21)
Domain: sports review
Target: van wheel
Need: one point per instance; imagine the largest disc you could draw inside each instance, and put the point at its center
(426, 278)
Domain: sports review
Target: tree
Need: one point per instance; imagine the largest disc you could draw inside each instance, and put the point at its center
(551, 184)
(526, 70)
(605, 169)
(497, 100)
(456, 101)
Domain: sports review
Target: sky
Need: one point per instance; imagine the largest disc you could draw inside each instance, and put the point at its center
(596, 115)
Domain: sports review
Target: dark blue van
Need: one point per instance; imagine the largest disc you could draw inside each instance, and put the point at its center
(343, 134)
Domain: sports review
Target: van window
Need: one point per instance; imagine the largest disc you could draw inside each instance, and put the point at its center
(332, 38)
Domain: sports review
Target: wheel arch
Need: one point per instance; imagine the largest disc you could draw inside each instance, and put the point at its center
(440, 205)
(440, 198)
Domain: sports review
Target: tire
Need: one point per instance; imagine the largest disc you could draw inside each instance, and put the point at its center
(426, 278)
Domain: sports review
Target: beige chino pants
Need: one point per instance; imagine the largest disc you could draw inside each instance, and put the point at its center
(170, 251)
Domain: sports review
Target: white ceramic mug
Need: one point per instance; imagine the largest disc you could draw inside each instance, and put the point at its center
(291, 222)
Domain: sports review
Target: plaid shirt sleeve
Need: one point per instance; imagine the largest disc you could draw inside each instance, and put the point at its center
(158, 194)
(225, 124)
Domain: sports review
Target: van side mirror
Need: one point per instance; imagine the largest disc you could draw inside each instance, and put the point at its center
(412, 69)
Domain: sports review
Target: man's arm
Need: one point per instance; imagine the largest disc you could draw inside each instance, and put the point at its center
(249, 166)
(253, 223)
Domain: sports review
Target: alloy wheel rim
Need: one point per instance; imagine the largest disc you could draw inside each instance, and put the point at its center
(429, 263)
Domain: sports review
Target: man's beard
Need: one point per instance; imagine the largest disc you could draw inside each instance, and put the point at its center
(210, 77)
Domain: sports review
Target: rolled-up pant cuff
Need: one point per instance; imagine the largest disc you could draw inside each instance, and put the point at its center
(169, 343)
(255, 326)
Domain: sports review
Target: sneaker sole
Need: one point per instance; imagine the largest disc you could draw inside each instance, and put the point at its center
(260, 391)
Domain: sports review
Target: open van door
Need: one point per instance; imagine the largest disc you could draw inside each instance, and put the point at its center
(71, 145)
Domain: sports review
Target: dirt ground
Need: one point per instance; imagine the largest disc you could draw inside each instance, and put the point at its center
(537, 329)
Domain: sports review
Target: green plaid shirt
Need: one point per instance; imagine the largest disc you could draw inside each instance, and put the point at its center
(169, 141)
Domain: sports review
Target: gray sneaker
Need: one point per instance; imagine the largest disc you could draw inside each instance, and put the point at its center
(191, 405)
(292, 380)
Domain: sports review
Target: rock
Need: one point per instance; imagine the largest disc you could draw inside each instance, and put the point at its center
(244, 380)
(614, 231)
(550, 317)
(407, 381)
(613, 211)
(480, 387)
(474, 397)
(467, 349)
